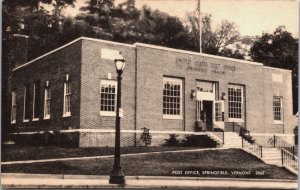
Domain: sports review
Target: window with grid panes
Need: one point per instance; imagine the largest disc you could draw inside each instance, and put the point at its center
(108, 95)
(47, 103)
(235, 101)
(67, 98)
(277, 108)
(172, 97)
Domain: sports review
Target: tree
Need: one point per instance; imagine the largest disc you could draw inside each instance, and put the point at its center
(279, 49)
(29, 18)
(221, 42)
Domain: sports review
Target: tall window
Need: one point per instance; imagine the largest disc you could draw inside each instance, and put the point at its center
(277, 108)
(67, 99)
(26, 103)
(235, 101)
(172, 98)
(47, 103)
(36, 101)
(13, 108)
(108, 92)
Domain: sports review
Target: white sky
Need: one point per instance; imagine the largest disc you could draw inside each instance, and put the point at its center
(251, 16)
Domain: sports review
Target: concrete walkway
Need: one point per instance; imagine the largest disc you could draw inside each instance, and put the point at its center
(92, 181)
(106, 156)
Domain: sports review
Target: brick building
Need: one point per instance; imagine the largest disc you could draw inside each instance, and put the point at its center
(72, 89)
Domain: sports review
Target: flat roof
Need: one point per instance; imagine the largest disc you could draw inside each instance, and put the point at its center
(144, 45)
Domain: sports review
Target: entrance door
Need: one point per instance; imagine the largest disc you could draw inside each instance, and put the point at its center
(208, 114)
(219, 114)
(205, 115)
(205, 96)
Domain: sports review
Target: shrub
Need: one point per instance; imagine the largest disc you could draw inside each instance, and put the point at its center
(146, 136)
(36, 139)
(172, 141)
(198, 141)
(244, 133)
(69, 140)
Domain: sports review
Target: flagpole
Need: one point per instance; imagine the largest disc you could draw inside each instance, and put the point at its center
(200, 32)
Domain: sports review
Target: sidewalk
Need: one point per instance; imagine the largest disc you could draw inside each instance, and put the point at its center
(92, 181)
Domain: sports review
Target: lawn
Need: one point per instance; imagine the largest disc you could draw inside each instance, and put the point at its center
(228, 163)
(17, 153)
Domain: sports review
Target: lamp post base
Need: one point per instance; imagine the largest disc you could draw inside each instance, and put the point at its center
(117, 176)
(117, 180)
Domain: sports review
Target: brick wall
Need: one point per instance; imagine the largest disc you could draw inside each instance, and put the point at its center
(142, 88)
(94, 69)
(128, 138)
(266, 140)
(52, 68)
(153, 64)
(283, 89)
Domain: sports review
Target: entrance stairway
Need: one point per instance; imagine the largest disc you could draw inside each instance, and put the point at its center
(271, 156)
(279, 155)
(232, 140)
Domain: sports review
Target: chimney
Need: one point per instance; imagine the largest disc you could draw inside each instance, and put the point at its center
(20, 45)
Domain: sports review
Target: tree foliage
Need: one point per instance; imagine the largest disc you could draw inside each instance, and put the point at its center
(279, 49)
(217, 42)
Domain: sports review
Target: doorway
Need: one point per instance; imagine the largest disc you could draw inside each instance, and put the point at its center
(204, 115)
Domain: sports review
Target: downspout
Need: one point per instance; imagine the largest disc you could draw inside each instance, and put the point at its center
(135, 99)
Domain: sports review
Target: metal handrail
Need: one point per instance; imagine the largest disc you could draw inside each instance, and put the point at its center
(289, 159)
(254, 147)
(279, 143)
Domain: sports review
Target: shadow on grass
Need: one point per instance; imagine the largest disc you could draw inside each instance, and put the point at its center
(208, 163)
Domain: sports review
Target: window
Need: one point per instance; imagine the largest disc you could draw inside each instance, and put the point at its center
(206, 90)
(67, 99)
(204, 86)
(13, 107)
(277, 109)
(235, 102)
(26, 104)
(47, 103)
(108, 92)
(36, 101)
(172, 98)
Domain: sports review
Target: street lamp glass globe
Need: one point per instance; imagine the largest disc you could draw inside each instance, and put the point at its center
(120, 62)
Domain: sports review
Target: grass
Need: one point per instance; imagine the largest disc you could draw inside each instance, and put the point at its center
(18, 153)
(164, 164)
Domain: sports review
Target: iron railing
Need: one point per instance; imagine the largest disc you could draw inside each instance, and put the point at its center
(254, 147)
(288, 159)
(219, 133)
(279, 143)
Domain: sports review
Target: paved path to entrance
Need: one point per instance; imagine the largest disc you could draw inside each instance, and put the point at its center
(106, 156)
(86, 181)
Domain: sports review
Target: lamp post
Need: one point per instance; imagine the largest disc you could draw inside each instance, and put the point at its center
(117, 175)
